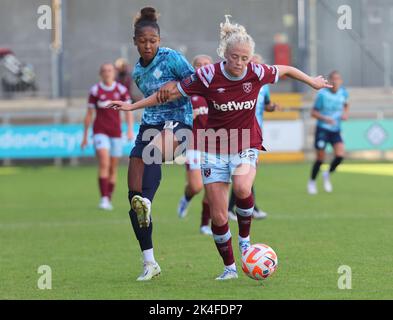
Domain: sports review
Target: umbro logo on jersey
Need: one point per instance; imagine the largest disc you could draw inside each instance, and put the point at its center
(221, 90)
(234, 106)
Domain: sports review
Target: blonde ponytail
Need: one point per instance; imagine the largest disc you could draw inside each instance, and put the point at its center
(231, 33)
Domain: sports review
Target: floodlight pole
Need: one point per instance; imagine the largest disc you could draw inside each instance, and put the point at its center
(307, 37)
(387, 66)
(302, 52)
(313, 43)
(56, 47)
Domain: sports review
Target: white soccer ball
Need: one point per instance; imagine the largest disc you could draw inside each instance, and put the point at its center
(259, 261)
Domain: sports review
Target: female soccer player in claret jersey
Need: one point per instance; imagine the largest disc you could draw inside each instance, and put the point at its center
(263, 104)
(193, 156)
(159, 128)
(107, 130)
(234, 138)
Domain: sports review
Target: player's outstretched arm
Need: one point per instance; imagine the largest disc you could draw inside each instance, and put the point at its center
(130, 125)
(317, 83)
(86, 122)
(167, 92)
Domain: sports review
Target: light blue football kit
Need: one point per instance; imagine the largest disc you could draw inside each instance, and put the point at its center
(331, 104)
(168, 65)
(263, 99)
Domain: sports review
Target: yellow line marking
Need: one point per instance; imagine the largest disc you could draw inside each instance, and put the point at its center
(281, 157)
(382, 169)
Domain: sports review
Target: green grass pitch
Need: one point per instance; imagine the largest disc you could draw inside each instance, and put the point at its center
(48, 216)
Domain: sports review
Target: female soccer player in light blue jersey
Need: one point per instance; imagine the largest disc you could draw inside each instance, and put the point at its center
(160, 125)
(331, 107)
(230, 158)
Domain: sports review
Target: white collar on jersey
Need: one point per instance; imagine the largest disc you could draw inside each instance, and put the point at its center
(228, 76)
(108, 88)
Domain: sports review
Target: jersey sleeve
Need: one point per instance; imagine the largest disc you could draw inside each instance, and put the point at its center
(93, 98)
(125, 95)
(181, 68)
(191, 86)
(266, 74)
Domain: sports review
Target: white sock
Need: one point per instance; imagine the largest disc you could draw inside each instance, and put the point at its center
(244, 239)
(232, 266)
(148, 255)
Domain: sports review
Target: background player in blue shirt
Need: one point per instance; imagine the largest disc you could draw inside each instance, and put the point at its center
(159, 128)
(331, 107)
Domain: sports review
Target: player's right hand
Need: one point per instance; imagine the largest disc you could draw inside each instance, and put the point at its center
(84, 143)
(330, 121)
(119, 105)
(320, 82)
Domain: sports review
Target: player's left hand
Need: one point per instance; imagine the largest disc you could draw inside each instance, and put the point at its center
(320, 82)
(84, 143)
(345, 116)
(120, 105)
(164, 93)
(276, 107)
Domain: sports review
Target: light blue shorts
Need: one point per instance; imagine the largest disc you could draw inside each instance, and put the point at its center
(193, 159)
(114, 145)
(221, 167)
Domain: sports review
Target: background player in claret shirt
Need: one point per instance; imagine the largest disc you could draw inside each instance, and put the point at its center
(193, 159)
(107, 130)
(231, 88)
(160, 125)
(331, 107)
(123, 74)
(263, 104)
